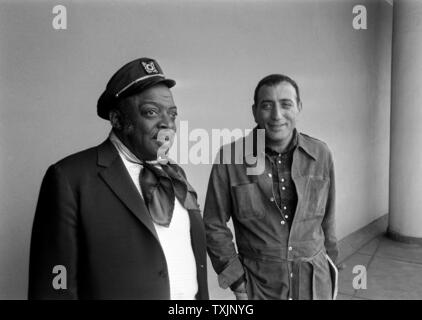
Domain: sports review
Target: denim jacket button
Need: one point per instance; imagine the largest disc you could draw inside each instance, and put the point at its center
(290, 248)
(272, 199)
(282, 222)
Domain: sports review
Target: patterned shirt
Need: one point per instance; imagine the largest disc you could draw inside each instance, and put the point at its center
(283, 186)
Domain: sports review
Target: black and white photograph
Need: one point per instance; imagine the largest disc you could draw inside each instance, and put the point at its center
(209, 150)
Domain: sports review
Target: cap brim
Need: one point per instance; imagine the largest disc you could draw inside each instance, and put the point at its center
(106, 99)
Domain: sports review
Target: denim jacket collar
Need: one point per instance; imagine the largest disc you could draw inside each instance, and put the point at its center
(304, 144)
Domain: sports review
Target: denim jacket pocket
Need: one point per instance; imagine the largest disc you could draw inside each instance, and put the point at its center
(248, 201)
(315, 198)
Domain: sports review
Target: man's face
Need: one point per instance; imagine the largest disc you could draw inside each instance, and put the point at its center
(276, 111)
(143, 116)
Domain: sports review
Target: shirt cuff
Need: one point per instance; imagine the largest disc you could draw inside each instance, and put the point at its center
(237, 283)
(232, 273)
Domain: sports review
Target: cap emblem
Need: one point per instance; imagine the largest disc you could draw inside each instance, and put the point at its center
(149, 67)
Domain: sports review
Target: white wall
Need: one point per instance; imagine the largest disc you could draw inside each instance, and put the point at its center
(217, 51)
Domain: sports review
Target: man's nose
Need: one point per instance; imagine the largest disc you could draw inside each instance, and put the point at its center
(277, 112)
(167, 122)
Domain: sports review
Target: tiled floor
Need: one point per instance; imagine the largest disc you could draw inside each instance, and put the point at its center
(393, 271)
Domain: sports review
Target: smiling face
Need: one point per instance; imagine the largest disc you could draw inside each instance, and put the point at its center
(140, 118)
(276, 111)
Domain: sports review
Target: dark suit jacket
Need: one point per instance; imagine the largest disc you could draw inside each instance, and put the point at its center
(91, 219)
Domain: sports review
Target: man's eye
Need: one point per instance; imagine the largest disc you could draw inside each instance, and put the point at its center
(266, 106)
(150, 113)
(173, 114)
(287, 105)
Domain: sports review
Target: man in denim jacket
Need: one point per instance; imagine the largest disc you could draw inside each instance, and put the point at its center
(283, 217)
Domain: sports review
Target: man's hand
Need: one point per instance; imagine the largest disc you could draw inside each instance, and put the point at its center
(240, 292)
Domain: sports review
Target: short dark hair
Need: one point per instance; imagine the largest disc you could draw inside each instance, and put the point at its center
(275, 79)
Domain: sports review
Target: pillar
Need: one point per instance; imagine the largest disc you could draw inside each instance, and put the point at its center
(405, 201)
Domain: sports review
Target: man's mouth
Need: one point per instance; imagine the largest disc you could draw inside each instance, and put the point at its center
(277, 127)
(159, 142)
(164, 136)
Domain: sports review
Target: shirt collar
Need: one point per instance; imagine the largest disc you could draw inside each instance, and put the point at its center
(298, 141)
(122, 149)
(127, 154)
(290, 147)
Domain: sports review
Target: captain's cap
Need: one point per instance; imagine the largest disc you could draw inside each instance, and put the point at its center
(132, 78)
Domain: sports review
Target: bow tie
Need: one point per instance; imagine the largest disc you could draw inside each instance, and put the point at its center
(160, 187)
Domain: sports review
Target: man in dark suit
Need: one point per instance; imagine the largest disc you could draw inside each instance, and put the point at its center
(113, 221)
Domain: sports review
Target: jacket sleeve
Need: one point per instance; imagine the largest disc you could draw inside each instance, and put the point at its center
(217, 212)
(54, 241)
(328, 223)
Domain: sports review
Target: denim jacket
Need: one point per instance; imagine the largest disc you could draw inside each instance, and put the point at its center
(307, 249)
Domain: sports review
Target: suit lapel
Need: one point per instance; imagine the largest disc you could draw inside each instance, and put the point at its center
(198, 242)
(197, 233)
(117, 178)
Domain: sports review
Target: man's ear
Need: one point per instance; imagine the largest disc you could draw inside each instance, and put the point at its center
(254, 112)
(115, 119)
(299, 106)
